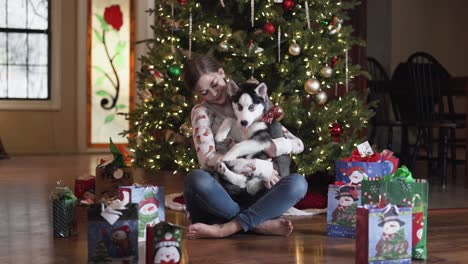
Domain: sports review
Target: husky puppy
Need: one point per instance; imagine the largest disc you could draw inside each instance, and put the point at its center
(250, 102)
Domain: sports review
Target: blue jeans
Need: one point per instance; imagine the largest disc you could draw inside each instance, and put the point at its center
(208, 202)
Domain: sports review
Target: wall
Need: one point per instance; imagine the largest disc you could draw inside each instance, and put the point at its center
(398, 28)
(30, 132)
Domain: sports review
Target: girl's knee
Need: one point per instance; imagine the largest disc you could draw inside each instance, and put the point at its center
(198, 180)
(298, 185)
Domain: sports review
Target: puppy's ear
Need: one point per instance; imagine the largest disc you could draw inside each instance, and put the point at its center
(262, 91)
(232, 87)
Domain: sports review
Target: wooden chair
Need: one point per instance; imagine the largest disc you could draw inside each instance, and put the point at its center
(417, 91)
(446, 109)
(386, 118)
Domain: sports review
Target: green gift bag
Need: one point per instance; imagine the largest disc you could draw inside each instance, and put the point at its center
(401, 189)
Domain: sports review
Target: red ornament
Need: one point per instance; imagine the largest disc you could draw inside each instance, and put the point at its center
(335, 130)
(333, 62)
(182, 2)
(113, 16)
(288, 5)
(250, 44)
(269, 28)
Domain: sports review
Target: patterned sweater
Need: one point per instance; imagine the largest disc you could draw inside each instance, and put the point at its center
(205, 124)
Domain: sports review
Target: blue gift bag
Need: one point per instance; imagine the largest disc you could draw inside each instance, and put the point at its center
(117, 242)
(341, 211)
(355, 171)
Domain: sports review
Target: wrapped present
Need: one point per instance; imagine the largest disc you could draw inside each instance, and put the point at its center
(164, 243)
(383, 235)
(85, 187)
(63, 211)
(150, 200)
(363, 164)
(341, 211)
(112, 174)
(401, 189)
(113, 233)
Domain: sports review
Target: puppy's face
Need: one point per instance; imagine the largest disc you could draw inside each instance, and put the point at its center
(248, 103)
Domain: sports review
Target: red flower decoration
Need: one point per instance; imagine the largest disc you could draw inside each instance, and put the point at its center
(113, 16)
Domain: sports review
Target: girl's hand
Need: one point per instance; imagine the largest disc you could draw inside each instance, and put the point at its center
(272, 180)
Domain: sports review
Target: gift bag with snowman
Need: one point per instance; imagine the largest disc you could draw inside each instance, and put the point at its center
(164, 243)
(365, 163)
(401, 189)
(150, 200)
(113, 233)
(341, 212)
(113, 173)
(383, 234)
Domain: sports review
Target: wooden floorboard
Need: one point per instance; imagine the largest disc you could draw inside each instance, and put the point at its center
(26, 225)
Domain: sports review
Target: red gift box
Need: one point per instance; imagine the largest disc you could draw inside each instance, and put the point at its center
(84, 184)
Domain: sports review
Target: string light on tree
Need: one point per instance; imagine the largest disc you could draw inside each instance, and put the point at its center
(223, 46)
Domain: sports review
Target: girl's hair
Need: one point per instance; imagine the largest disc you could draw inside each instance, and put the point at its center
(198, 66)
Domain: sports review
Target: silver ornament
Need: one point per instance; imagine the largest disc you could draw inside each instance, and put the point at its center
(312, 86)
(278, 1)
(294, 49)
(321, 98)
(223, 46)
(326, 72)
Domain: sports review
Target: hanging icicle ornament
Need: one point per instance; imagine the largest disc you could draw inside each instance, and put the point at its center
(190, 34)
(307, 14)
(172, 27)
(252, 12)
(346, 71)
(279, 43)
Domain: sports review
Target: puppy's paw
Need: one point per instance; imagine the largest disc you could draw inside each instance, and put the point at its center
(219, 138)
(252, 186)
(221, 167)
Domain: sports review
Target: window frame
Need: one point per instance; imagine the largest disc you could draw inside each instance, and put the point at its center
(53, 102)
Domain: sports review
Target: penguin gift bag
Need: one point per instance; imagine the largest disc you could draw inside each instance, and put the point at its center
(383, 235)
(164, 244)
(150, 200)
(341, 211)
(113, 233)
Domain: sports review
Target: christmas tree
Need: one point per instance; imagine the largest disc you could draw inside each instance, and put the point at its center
(298, 48)
(100, 255)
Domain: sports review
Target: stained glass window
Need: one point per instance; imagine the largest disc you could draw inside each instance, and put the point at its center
(25, 49)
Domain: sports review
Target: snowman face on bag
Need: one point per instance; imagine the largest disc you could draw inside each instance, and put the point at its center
(346, 200)
(119, 235)
(148, 209)
(391, 227)
(167, 255)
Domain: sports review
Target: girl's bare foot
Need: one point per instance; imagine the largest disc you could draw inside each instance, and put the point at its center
(200, 230)
(277, 227)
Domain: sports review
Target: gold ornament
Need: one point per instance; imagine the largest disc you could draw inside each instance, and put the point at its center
(146, 95)
(186, 129)
(312, 86)
(294, 49)
(223, 46)
(326, 72)
(321, 98)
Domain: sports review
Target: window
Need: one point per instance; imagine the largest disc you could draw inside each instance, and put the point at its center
(25, 45)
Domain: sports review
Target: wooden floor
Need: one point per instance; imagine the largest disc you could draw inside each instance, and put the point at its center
(26, 232)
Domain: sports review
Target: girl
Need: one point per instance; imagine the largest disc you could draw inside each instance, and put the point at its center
(214, 213)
